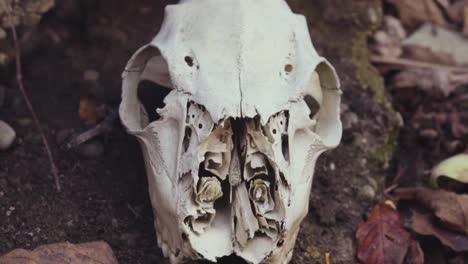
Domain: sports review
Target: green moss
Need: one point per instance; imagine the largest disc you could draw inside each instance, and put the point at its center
(379, 159)
(366, 74)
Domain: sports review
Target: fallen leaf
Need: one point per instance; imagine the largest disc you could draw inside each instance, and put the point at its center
(67, 253)
(423, 225)
(415, 253)
(435, 82)
(417, 12)
(418, 53)
(440, 40)
(91, 112)
(456, 12)
(451, 209)
(382, 239)
(455, 168)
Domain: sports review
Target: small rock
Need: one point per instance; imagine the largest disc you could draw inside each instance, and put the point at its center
(7, 135)
(3, 58)
(429, 133)
(366, 193)
(69, 223)
(115, 223)
(349, 120)
(91, 149)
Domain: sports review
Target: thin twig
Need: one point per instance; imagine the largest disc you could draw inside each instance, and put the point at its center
(328, 258)
(418, 64)
(19, 79)
(101, 128)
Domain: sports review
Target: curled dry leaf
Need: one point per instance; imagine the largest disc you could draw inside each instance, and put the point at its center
(454, 168)
(440, 40)
(435, 82)
(423, 225)
(451, 209)
(88, 253)
(415, 253)
(418, 53)
(382, 239)
(417, 12)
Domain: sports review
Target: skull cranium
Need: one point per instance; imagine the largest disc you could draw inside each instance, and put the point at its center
(230, 160)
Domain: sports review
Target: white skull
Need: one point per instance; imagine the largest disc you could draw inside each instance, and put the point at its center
(230, 161)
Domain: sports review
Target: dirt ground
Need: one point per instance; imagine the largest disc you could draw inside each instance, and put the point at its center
(105, 196)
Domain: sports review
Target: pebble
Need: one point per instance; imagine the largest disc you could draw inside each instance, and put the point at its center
(350, 119)
(7, 135)
(10, 210)
(91, 149)
(3, 33)
(367, 193)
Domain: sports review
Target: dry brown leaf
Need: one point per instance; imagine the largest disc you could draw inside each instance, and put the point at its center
(415, 253)
(450, 208)
(91, 112)
(435, 82)
(382, 239)
(441, 40)
(64, 253)
(455, 11)
(425, 54)
(414, 13)
(423, 225)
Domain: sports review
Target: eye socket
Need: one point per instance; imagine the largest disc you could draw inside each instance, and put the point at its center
(151, 95)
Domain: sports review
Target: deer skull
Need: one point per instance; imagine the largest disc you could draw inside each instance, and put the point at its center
(230, 160)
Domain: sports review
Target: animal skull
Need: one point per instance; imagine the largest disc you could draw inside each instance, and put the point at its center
(230, 161)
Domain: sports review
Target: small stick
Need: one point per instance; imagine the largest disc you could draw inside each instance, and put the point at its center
(328, 258)
(414, 63)
(19, 79)
(101, 128)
